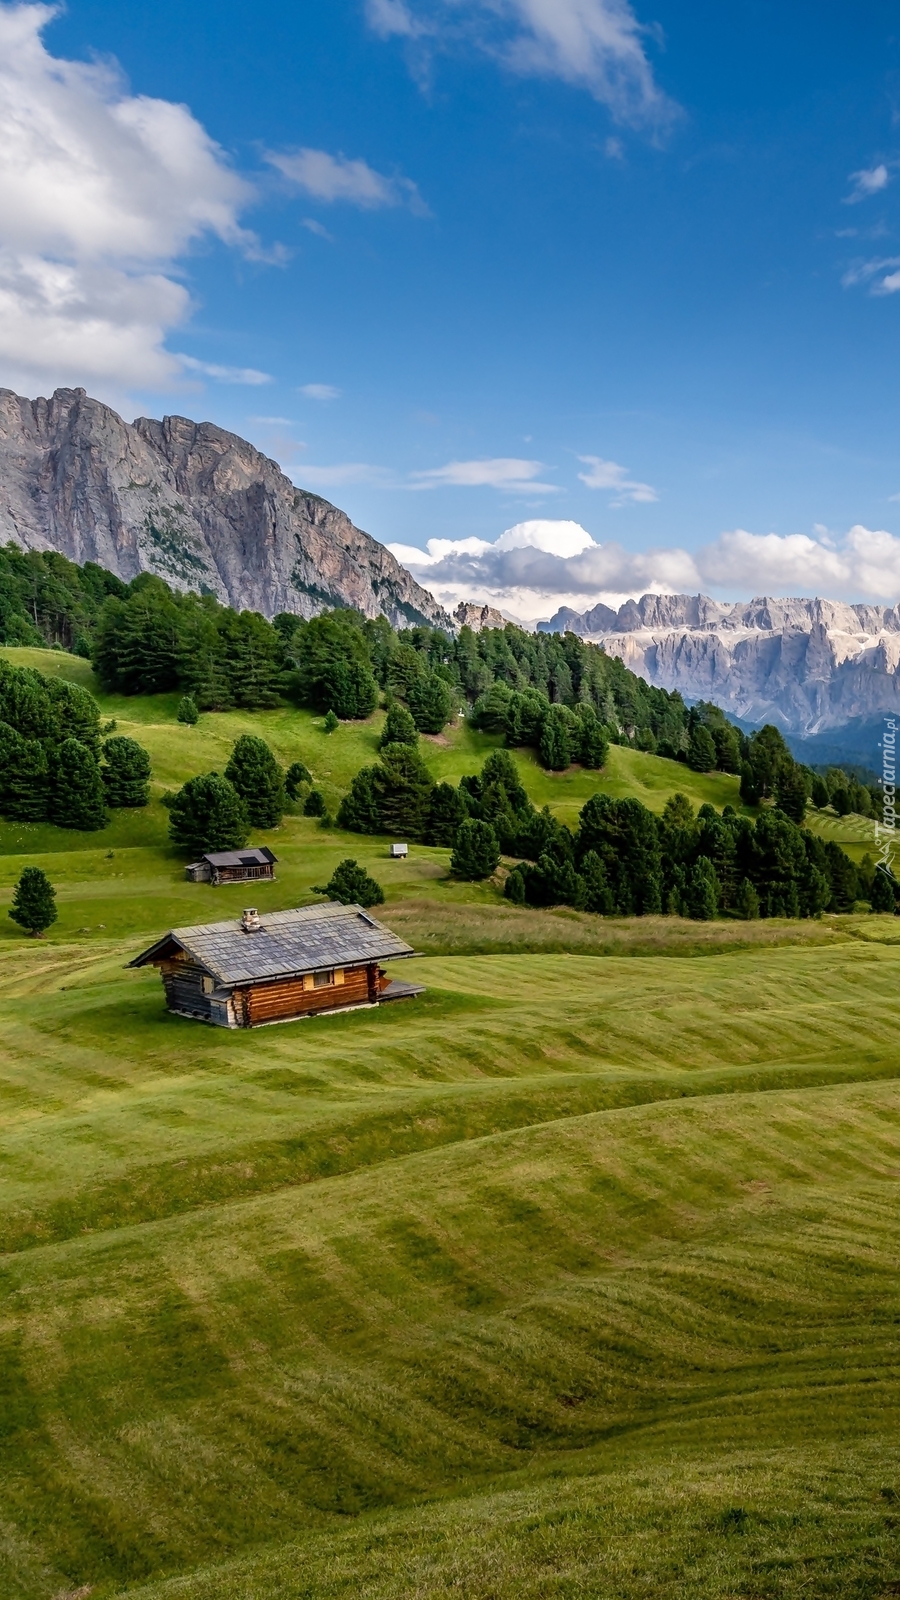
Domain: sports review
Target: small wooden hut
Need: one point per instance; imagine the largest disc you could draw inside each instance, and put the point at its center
(279, 966)
(252, 865)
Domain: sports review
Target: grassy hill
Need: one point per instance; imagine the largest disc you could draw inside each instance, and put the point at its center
(577, 1277)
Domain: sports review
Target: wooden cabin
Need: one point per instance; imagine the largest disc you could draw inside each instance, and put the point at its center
(278, 966)
(233, 866)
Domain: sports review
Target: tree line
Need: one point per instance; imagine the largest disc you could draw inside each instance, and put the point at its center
(55, 763)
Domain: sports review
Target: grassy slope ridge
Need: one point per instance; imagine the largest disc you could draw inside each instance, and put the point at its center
(577, 1277)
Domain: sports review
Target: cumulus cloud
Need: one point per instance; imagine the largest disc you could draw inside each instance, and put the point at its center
(609, 475)
(597, 45)
(333, 178)
(500, 472)
(869, 181)
(535, 567)
(100, 191)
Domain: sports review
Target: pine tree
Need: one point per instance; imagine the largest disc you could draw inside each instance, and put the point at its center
(187, 711)
(403, 785)
(514, 887)
(791, 792)
(746, 902)
(296, 774)
(352, 885)
(883, 895)
(24, 777)
(430, 701)
(34, 902)
(820, 795)
(555, 749)
(208, 814)
(446, 810)
(476, 853)
(258, 779)
(314, 804)
(331, 723)
(77, 799)
(360, 809)
(127, 772)
(399, 727)
(701, 750)
(702, 895)
(597, 893)
(593, 747)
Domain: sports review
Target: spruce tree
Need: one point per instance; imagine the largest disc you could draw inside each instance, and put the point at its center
(314, 804)
(701, 750)
(702, 894)
(360, 810)
(34, 902)
(883, 895)
(820, 795)
(24, 777)
(208, 814)
(430, 700)
(331, 723)
(352, 885)
(791, 791)
(258, 779)
(127, 772)
(187, 711)
(476, 853)
(77, 798)
(296, 774)
(399, 727)
(403, 785)
(597, 893)
(447, 809)
(746, 902)
(555, 748)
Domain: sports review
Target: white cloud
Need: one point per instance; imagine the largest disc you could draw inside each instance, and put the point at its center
(210, 369)
(869, 181)
(609, 475)
(500, 472)
(331, 178)
(535, 567)
(597, 45)
(100, 191)
(318, 228)
(320, 391)
(870, 272)
(341, 473)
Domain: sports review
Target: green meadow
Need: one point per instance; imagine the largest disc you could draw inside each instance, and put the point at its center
(575, 1277)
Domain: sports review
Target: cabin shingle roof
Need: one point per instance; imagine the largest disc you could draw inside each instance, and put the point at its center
(288, 942)
(253, 856)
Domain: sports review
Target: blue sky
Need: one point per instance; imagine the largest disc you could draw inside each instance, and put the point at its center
(467, 265)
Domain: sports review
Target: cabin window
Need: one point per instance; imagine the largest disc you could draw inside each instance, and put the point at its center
(208, 985)
(323, 980)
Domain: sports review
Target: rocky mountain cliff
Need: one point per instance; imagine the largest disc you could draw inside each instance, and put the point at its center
(806, 665)
(199, 506)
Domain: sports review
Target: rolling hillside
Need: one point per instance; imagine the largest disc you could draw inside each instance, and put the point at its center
(576, 1277)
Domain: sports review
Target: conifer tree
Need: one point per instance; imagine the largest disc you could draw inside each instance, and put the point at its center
(187, 710)
(352, 885)
(208, 814)
(701, 750)
(399, 727)
(258, 779)
(430, 701)
(403, 785)
(702, 894)
(447, 809)
(555, 748)
(296, 774)
(883, 896)
(34, 902)
(24, 777)
(127, 772)
(314, 804)
(747, 901)
(476, 853)
(360, 811)
(77, 794)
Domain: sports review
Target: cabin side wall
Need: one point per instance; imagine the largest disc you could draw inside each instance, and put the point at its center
(183, 983)
(295, 997)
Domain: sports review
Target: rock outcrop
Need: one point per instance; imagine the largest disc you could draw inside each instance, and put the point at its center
(806, 665)
(469, 615)
(199, 506)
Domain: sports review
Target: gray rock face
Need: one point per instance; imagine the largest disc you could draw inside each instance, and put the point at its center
(806, 665)
(198, 506)
(476, 617)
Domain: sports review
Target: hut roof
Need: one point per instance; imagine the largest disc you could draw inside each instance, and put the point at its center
(253, 856)
(287, 942)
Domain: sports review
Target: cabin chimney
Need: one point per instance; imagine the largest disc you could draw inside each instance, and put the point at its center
(250, 921)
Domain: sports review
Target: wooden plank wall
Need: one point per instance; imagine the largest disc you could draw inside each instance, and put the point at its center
(272, 1002)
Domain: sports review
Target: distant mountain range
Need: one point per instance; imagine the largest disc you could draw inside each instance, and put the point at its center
(809, 666)
(201, 507)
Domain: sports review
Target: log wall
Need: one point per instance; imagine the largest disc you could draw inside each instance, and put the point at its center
(291, 997)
